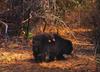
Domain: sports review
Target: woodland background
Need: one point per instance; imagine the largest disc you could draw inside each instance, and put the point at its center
(76, 20)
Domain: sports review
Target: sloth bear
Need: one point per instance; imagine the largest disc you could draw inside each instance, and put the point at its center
(47, 47)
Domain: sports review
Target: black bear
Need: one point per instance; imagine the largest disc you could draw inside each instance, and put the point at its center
(47, 47)
(59, 47)
(41, 43)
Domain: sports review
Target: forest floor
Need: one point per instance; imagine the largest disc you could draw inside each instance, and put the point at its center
(16, 56)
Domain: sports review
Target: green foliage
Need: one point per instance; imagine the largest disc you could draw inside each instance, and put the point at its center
(30, 35)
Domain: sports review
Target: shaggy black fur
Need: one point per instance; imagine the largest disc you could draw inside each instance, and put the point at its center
(47, 47)
(60, 46)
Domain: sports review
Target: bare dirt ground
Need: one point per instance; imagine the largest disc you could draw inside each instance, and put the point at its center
(16, 56)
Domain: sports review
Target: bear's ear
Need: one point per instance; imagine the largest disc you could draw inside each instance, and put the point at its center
(49, 41)
(53, 39)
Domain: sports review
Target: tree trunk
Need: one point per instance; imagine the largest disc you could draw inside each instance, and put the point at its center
(97, 31)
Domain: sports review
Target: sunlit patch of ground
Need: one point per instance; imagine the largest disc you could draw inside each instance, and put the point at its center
(6, 57)
(78, 63)
(15, 59)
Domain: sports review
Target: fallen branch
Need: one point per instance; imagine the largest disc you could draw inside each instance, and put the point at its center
(6, 26)
(30, 16)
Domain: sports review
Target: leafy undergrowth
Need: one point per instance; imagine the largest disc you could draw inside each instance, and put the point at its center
(16, 56)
